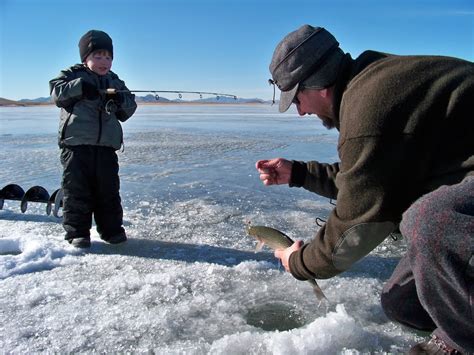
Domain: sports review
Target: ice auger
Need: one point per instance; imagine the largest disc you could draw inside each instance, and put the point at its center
(33, 194)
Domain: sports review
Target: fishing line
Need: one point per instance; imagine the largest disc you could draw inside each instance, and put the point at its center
(179, 92)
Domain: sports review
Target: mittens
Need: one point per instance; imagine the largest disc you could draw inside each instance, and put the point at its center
(117, 97)
(89, 91)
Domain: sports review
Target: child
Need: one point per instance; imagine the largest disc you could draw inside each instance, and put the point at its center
(89, 134)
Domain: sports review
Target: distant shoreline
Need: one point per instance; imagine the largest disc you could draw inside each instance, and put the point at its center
(13, 103)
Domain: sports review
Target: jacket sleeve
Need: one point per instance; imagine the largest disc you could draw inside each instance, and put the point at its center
(65, 89)
(127, 106)
(316, 177)
(373, 193)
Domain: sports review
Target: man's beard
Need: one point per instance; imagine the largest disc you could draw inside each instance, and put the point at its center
(327, 122)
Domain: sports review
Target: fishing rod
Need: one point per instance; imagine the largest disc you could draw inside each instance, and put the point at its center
(111, 106)
(180, 93)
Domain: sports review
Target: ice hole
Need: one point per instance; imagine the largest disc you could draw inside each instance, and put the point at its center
(275, 316)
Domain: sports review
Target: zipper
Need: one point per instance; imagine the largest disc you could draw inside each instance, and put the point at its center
(100, 127)
(100, 112)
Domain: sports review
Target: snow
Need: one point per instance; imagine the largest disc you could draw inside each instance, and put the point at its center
(188, 280)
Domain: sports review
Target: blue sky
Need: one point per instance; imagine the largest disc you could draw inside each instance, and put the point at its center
(212, 45)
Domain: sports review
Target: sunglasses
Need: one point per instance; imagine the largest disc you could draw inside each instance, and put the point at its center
(295, 99)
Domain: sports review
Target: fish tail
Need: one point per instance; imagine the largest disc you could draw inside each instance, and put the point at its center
(317, 290)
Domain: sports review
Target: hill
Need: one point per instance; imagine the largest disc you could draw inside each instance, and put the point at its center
(6, 102)
(25, 102)
(39, 100)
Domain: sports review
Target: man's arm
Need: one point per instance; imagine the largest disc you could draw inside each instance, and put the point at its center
(316, 177)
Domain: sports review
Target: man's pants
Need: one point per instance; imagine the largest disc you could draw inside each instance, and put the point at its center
(432, 288)
(91, 186)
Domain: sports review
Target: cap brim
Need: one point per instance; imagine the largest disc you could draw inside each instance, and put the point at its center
(287, 97)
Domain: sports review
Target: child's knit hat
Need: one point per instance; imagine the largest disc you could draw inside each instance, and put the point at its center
(94, 40)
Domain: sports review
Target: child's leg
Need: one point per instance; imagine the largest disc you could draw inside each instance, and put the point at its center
(108, 211)
(78, 201)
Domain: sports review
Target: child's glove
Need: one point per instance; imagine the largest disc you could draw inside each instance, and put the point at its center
(89, 91)
(119, 98)
(116, 96)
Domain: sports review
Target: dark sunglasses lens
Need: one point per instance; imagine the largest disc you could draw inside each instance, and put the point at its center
(295, 100)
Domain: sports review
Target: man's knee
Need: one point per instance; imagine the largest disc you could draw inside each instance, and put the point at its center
(434, 212)
(447, 210)
(424, 217)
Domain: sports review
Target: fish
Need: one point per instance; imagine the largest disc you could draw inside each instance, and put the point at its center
(275, 239)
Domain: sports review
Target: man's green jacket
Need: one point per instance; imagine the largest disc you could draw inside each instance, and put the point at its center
(406, 126)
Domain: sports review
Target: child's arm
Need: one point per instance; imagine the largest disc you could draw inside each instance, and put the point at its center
(67, 89)
(126, 103)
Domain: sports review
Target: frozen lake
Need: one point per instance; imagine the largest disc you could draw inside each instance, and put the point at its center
(188, 280)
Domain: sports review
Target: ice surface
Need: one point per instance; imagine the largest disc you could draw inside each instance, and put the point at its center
(188, 280)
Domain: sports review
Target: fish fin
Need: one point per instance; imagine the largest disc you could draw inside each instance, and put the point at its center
(289, 239)
(317, 290)
(259, 245)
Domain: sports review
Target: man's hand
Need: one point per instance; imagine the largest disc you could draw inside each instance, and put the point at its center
(274, 172)
(284, 254)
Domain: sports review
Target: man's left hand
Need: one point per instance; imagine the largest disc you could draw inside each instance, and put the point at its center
(284, 254)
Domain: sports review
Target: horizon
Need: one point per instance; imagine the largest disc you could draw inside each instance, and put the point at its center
(216, 46)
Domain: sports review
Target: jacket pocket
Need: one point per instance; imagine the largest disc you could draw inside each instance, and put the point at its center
(62, 134)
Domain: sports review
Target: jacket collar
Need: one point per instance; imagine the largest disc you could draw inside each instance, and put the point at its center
(349, 69)
(342, 80)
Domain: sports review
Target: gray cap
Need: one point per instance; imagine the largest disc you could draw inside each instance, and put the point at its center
(309, 57)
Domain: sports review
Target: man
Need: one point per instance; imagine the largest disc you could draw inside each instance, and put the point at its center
(406, 149)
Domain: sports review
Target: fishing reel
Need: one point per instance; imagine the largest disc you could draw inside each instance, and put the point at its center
(111, 99)
(110, 106)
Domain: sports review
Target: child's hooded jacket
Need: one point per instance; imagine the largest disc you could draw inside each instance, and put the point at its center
(88, 122)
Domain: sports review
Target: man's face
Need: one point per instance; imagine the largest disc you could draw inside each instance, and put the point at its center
(318, 102)
(99, 62)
